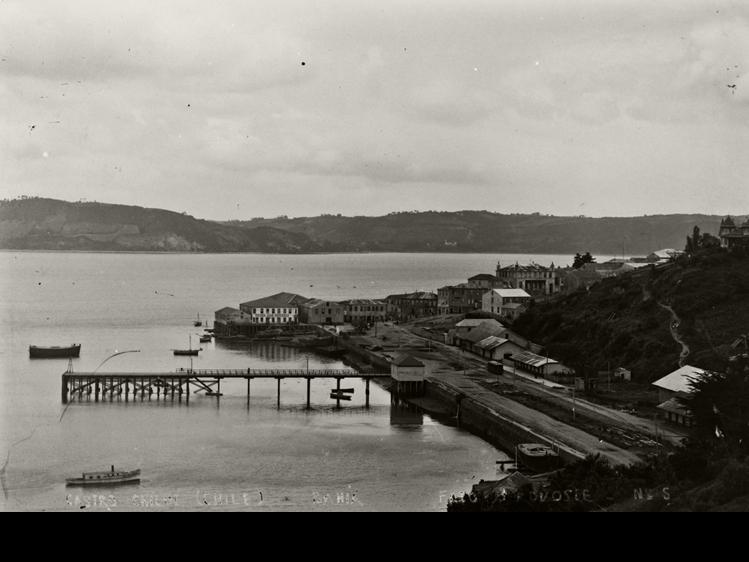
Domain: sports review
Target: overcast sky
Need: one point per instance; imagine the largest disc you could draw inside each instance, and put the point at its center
(244, 108)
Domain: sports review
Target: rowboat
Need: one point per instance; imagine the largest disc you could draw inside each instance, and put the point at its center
(111, 478)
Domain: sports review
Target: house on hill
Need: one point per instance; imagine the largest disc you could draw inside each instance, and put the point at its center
(733, 236)
(277, 310)
(672, 389)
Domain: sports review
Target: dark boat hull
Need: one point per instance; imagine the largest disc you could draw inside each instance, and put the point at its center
(72, 352)
(105, 479)
(186, 353)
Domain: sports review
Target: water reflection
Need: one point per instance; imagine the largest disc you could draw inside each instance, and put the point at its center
(403, 414)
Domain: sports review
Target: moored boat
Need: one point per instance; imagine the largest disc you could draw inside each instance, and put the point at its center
(538, 458)
(55, 352)
(110, 478)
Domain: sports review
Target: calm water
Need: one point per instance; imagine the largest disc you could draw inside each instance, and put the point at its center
(210, 456)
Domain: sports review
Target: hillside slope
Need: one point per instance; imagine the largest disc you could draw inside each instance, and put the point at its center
(480, 231)
(623, 322)
(47, 224)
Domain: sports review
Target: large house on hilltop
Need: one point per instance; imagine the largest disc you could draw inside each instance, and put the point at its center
(537, 280)
(732, 236)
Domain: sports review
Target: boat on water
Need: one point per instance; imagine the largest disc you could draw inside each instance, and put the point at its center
(56, 352)
(538, 458)
(198, 323)
(187, 352)
(206, 338)
(110, 478)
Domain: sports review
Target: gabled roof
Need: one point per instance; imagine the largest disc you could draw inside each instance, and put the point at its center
(476, 322)
(280, 300)
(492, 342)
(679, 380)
(512, 293)
(674, 406)
(485, 331)
(229, 310)
(528, 358)
(405, 360)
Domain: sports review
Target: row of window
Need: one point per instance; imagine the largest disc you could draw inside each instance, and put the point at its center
(271, 320)
(274, 311)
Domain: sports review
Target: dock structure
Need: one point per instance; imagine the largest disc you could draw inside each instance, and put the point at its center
(180, 384)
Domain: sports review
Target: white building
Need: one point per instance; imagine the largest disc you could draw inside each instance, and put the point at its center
(277, 310)
(498, 301)
(675, 387)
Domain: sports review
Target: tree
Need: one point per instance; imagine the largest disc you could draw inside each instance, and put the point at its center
(581, 260)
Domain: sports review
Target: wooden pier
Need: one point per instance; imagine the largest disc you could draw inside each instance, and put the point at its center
(180, 384)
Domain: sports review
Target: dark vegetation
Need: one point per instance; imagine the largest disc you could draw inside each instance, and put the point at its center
(482, 231)
(709, 473)
(619, 322)
(33, 223)
(47, 224)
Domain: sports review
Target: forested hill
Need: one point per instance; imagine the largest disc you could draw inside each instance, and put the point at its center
(479, 231)
(48, 224)
(624, 322)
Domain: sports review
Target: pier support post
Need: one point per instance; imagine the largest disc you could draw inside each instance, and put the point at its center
(248, 392)
(187, 383)
(309, 392)
(278, 401)
(367, 392)
(338, 393)
(64, 389)
(127, 390)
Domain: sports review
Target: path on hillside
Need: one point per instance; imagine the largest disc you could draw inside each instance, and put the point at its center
(675, 323)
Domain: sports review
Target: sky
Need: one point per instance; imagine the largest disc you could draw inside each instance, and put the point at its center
(245, 108)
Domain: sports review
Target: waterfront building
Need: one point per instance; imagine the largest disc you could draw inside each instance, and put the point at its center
(230, 322)
(410, 306)
(507, 303)
(495, 348)
(537, 280)
(277, 310)
(316, 311)
(408, 374)
(733, 236)
(363, 312)
(674, 387)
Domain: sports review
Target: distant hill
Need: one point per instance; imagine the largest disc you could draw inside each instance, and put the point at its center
(480, 231)
(622, 322)
(48, 224)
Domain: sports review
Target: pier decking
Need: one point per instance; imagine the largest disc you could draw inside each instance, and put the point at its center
(180, 384)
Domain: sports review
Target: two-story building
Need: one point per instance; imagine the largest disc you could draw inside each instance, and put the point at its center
(362, 312)
(534, 279)
(230, 322)
(460, 299)
(316, 311)
(733, 236)
(507, 303)
(411, 306)
(277, 310)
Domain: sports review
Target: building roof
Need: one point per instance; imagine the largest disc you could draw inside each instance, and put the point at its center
(679, 380)
(491, 343)
(667, 253)
(229, 310)
(280, 300)
(533, 360)
(476, 322)
(316, 303)
(483, 277)
(531, 267)
(414, 296)
(363, 302)
(405, 360)
(512, 293)
(484, 331)
(674, 406)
